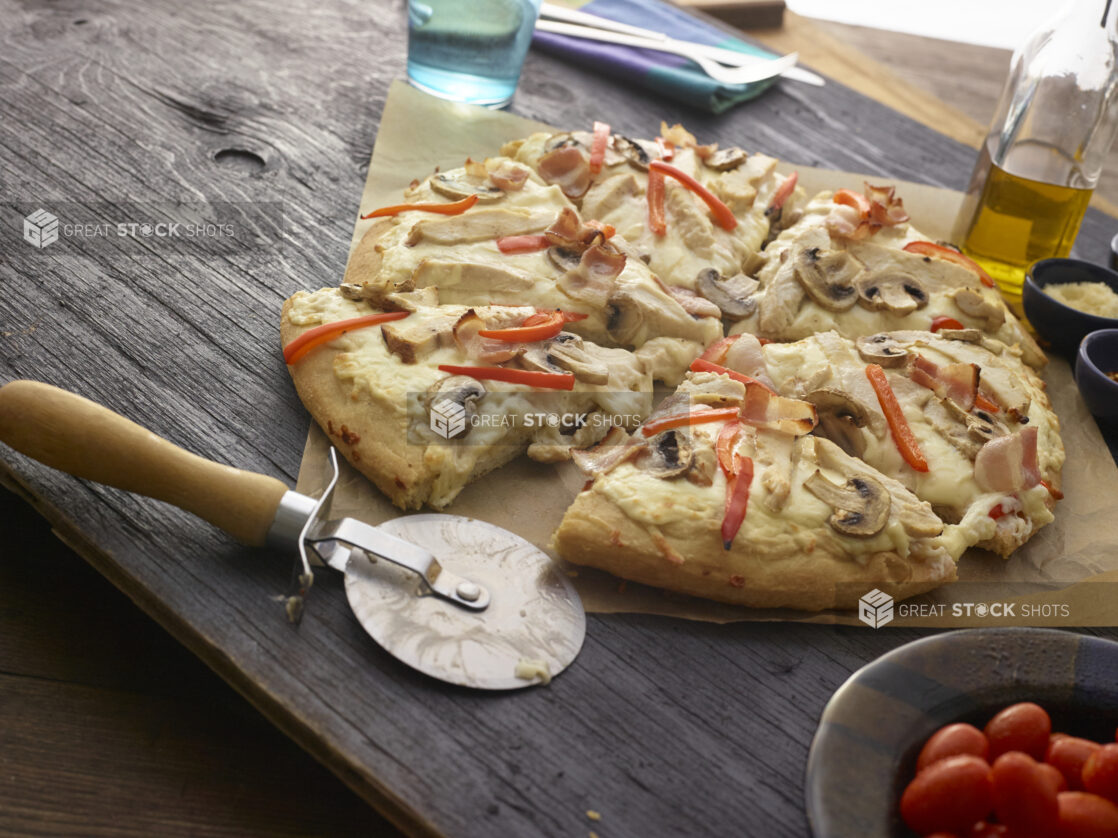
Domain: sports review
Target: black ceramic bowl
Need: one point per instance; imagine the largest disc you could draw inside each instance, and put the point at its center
(864, 752)
(1098, 355)
(1063, 327)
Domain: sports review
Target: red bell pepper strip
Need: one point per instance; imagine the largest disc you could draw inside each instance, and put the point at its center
(1055, 493)
(944, 322)
(325, 333)
(695, 417)
(453, 208)
(667, 150)
(997, 511)
(727, 440)
(782, 193)
(657, 221)
(716, 352)
(854, 199)
(701, 365)
(737, 499)
(523, 244)
(598, 147)
(938, 251)
(983, 403)
(542, 325)
(722, 213)
(545, 380)
(903, 437)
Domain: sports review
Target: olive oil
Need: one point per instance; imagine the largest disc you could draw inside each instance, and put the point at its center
(1018, 221)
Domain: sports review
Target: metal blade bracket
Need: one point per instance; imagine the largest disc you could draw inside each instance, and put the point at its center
(361, 536)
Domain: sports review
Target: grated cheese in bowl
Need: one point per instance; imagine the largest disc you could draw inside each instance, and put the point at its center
(1095, 298)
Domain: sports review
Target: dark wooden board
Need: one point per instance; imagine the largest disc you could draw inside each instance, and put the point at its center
(665, 727)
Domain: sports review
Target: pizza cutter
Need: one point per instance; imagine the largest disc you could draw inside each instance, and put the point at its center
(456, 598)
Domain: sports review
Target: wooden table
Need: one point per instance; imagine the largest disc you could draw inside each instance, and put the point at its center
(108, 727)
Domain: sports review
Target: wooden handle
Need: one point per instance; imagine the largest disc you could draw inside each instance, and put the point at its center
(68, 432)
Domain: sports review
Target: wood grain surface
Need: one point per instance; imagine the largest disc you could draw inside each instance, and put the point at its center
(664, 727)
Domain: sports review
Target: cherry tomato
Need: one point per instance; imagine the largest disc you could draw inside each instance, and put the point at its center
(950, 741)
(1019, 727)
(1024, 795)
(949, 796)
(1084, 815)
(1100, 772)
(1068, 755)
(1052, 773)
(982, 829)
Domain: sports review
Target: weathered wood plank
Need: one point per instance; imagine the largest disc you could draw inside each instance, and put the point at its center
(661, 726)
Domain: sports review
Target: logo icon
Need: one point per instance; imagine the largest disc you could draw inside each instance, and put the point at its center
(40, 228)
(875, 609)
(448, 418)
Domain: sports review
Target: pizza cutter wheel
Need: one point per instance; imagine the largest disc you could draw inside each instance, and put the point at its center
(456, 598)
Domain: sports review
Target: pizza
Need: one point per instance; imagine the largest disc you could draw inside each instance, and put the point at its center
(854, 405)
(836, 268)
(423, 400)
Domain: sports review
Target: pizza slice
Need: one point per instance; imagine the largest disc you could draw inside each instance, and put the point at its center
(955, 417)
(493, 232)
(839, 268)
(425, 398)
(722, 494)
(701, 225)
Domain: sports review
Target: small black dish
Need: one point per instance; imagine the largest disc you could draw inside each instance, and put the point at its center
(1098, 355)
(1062, 326)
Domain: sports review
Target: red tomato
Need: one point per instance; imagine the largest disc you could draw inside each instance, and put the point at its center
(948, 796)
(1019, 727)
(950, 741)
(989, 830)
(1068, 755)
(1052, 773)
(1084, 815)
(1024, 795)
(1100, 772)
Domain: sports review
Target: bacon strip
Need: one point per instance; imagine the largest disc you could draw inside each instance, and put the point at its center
(764, 409)
(958, 382)
(1008, 463)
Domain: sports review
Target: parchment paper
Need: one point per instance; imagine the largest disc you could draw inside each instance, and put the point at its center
(1061, 576)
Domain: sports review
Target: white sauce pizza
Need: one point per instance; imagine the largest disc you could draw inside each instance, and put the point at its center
(855, 405)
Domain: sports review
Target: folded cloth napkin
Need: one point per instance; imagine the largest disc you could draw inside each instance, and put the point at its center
(670, 75)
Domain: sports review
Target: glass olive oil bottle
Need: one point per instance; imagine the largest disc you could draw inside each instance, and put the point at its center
(1044, 153)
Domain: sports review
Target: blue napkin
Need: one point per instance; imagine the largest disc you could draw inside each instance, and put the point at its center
(666, 74)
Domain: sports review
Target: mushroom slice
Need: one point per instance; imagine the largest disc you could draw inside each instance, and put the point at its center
(861, 504)
(455, 398)
(632, 151)
(981, 426)
(890, 290)
(702, 469)
(564, 258)
(828, 277)
(625, 318)
(840, 419)
(976, 304)
(456, 185)
(668, 454)
(725, 159)
(882, 349)
(733, 296)
(566, 352)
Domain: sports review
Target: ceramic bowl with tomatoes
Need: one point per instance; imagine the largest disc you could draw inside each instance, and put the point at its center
(930, 709)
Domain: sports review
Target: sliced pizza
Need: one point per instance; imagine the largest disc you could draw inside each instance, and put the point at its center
(955, 417)
(854, 263)
(493, 232)
(426, 398)
(720, 494)
(697, 215)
